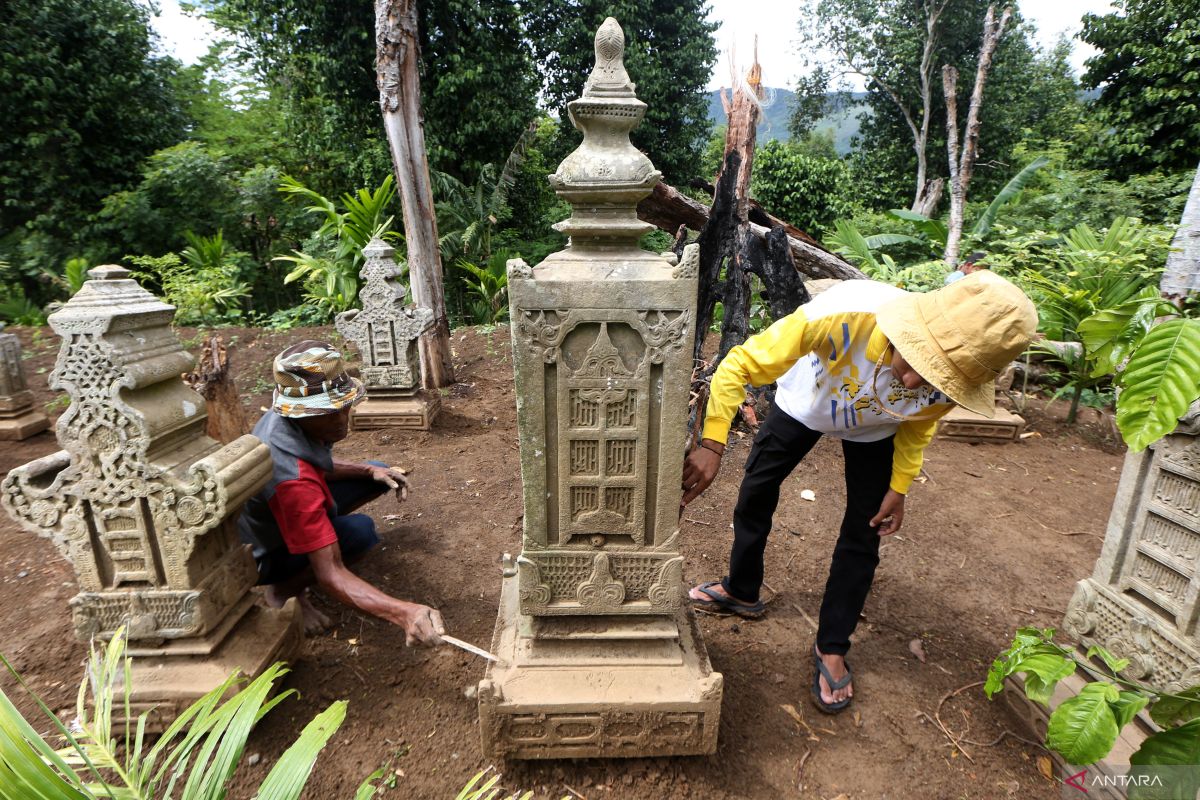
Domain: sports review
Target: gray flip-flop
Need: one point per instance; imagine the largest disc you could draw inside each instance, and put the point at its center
(723, 605)
(822, 670)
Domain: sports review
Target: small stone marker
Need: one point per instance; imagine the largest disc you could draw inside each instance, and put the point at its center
(967, 426)
(19, 419)
(144, 505)
(386, 331)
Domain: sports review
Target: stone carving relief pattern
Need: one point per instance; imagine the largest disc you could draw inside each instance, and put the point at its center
(129, 525)
(385, 330)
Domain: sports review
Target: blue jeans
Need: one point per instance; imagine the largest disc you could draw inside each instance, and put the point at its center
(355, 532)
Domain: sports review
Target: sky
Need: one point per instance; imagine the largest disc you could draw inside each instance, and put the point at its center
(773, 21)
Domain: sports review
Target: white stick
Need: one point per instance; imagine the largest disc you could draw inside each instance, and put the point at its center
(470, 648)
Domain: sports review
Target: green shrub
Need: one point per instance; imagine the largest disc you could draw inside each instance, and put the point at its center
(807, 191)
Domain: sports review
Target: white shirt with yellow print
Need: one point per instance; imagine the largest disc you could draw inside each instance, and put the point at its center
(825, 357)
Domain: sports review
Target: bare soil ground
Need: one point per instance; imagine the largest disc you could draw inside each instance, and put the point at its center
(994, 538)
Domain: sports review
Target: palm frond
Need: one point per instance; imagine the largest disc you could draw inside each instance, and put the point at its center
(1010, 190)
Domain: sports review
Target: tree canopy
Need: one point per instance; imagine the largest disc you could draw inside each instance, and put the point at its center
(86, 101)
(1149, 70)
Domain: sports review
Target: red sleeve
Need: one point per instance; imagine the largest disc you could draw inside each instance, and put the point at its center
(300, 511)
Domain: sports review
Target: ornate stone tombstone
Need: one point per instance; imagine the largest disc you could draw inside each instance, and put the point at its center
(19, 419)
(385, 331)
(144, 504)
(1142, 600)
(599, 654)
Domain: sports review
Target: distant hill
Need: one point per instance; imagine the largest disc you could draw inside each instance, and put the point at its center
(777, 107)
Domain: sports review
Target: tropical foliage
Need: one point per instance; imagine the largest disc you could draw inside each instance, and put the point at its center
(107, 753)
(1084, 728)
(329, 264)
(1148, 71)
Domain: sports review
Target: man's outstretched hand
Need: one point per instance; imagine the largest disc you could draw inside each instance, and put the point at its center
(699, 470)
(392, 478)
(422, 625)
(891, 514)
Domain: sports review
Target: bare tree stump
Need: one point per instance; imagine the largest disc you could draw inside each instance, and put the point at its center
(213, 381)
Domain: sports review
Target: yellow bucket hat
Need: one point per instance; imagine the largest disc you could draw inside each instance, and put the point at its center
(960, 337)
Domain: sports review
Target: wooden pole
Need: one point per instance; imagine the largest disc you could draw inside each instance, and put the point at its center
(397, 71)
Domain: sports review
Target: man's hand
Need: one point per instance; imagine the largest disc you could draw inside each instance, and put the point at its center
(422, 625)
(393, 478)
(891, 513)
(700, 468)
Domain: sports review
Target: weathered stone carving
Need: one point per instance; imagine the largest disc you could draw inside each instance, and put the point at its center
(142, 502)
(385, 331)
(1143, 598)
(601, 347)
(19, 419)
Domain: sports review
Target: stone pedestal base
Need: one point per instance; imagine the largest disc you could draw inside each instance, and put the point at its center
(415, 411)
(1102, 779)
(21, 423)
(170, 678)
(608, 687)
(967, 426)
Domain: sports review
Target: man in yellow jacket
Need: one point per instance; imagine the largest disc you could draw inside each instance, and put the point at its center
(876, 367)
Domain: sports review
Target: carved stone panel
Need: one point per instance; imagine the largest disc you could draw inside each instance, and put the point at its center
(1143, 599)
(140, 500)
(385, 330)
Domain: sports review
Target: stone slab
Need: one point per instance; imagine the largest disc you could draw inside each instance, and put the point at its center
(413, 413)
(168, 684)
(600, 696)
(22, 425)
(966, 426)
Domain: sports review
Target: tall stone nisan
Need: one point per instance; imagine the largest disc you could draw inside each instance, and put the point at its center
(1142, 601)
(599, 653)
(385, 331)
(19, 419)
(144, 504)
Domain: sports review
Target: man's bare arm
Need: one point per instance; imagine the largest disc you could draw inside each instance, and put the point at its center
(421, 624)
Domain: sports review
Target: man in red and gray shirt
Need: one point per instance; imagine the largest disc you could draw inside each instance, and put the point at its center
(301, 525)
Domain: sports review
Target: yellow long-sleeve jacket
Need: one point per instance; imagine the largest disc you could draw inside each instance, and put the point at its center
(834, 375)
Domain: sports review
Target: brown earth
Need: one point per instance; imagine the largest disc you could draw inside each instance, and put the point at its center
(994, 538)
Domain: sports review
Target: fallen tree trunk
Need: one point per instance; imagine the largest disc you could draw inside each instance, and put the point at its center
(668, 208)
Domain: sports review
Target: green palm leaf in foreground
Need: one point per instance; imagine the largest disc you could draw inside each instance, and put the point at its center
(1161, 380)
(106, 756)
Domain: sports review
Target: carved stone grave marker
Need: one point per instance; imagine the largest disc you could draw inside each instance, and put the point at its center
(602, 351)
(144, 504)
(386, 331)
(19, 419)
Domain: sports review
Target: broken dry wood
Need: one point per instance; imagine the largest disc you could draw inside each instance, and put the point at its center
(667, 208)
(811, 622)
(213, 381)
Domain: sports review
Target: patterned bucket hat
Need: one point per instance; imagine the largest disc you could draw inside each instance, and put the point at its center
(310, 379)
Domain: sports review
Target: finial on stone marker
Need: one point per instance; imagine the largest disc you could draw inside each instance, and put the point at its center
(378, 247)
(609, 76)
(108, 272)
(606, 176)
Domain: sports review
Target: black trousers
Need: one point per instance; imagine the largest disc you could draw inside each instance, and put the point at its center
(779, 446)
